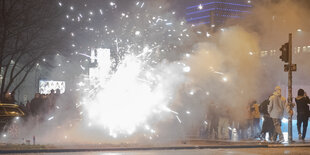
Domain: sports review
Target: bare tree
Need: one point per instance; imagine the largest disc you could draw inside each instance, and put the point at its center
(29, 30)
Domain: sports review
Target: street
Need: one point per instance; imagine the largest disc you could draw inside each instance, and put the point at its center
(149, 77)
(244, 151)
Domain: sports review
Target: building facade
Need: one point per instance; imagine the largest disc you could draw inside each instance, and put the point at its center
(214, 13)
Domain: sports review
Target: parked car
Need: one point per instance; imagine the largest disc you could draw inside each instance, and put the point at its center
(11, 117)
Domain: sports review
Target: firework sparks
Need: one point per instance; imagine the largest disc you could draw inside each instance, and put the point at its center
(132, 86)
(128, 97)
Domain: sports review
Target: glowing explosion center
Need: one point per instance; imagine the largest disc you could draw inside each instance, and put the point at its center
(127, 98)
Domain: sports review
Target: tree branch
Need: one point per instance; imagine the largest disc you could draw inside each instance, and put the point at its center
(20, 71)
(4, 77)
(23, 79)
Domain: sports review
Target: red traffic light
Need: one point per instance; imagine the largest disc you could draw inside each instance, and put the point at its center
(285, 54)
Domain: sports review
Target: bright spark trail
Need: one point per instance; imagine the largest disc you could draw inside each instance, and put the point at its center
(137, 84)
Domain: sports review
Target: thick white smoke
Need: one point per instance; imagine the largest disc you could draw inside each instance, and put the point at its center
(167, 100)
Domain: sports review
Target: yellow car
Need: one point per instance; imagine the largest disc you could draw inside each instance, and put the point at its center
(10, 116)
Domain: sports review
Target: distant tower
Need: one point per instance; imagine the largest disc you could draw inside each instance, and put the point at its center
(214, 13)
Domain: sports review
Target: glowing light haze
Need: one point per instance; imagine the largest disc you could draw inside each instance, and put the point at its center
(137, 84)
(128, 91)
(127, 98)
(155, 74)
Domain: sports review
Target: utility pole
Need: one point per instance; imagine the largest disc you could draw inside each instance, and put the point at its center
(287, 56)
(290, 96)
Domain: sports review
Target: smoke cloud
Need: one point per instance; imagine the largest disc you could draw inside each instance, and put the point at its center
(229, 69)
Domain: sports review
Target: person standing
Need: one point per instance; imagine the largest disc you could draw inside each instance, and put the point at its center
(246, 123)
(256, 119)
(267, 123)
(213, 120)
(34, 105)
(51, 101)
(223, 131)
(302, 101)
(13, 97)
(276, 109)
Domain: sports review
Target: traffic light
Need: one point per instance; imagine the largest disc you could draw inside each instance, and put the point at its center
(284, 49)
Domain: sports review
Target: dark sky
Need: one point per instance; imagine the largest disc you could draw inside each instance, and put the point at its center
(175, 5)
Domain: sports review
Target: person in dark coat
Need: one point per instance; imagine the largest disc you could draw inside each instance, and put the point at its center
(13, 100)
(34, 105)
(302, 101)
(267, 123)
(43, 107)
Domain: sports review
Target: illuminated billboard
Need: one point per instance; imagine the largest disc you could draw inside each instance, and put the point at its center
(45, 87)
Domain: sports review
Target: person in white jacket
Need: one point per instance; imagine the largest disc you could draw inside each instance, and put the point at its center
(276, 109)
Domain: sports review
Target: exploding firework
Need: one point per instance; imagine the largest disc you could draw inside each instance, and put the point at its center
(136, 79)
(127, 98)
(141, 63)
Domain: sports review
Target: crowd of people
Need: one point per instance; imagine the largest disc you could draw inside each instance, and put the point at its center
(43, 104)
(221, 125)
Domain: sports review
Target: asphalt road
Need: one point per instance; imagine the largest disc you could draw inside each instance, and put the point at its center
(244, 151)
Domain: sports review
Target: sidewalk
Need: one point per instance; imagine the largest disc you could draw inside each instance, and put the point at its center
(246, 143)
(190, 144)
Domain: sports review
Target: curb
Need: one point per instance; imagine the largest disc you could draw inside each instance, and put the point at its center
(287, 145)
(55, 150)
(132, 149)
